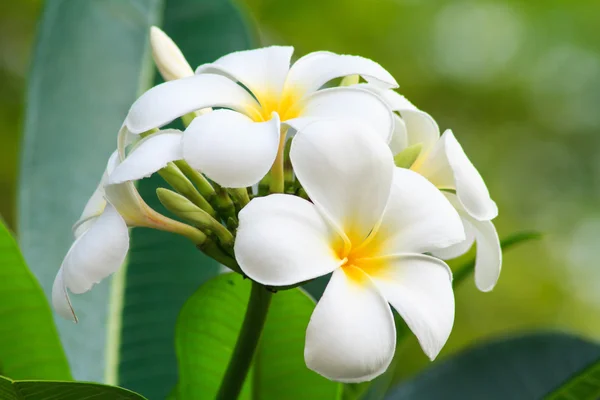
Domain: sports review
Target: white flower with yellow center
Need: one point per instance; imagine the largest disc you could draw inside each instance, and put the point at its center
(444, 163)
(102, 236)
(257, 95)
(369, 224)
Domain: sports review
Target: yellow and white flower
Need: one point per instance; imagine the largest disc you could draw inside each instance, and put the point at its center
(102, 237)
(257, 95)
(369, 224)
(444, 163)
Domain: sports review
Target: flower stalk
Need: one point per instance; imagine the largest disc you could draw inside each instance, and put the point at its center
(245, 348)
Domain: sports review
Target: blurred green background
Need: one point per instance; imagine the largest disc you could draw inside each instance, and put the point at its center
(517, 81)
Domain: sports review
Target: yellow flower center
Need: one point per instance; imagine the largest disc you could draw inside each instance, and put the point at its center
(361, 256)
(287, 104)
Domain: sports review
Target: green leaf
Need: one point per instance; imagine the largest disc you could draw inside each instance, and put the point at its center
(584, 385)
(207, 331)
(29, 344)
(44, 390)
(525, 367)
(466, 269)
(91, 61)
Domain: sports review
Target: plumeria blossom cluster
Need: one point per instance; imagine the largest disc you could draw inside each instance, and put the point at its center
(360, 185)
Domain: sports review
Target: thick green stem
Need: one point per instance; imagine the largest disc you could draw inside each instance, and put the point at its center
(254, 321)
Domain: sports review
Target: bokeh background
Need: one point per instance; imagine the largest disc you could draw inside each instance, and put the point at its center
(519, 84)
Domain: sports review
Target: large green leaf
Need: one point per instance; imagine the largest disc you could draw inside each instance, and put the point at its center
(207, 331)
(520, 368)
(29, 344)
(91, 61)
(584, 385)
(45, 390)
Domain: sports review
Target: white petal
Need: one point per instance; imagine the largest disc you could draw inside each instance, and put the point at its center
(167, 101)
(96, 254)
(399, 140)
(488, 259)
(351, 335)
(149, 155)
(282, 240)
(419, 287)
(263, 71)
(168, 58)
(125, 197)
(420, 126)
(230, 148)
(350, 104)
(93, 208)
(460, 248)
(346, 171)
(60, 298)
(313, 70)
(417, 219)
(448, 167)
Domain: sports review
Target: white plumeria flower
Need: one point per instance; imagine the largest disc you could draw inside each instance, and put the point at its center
(237, 144)
(102, 237)
(369, 223)
(444, 163)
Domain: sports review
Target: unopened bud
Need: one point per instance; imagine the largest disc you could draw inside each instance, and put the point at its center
(178, 181)
(168, 58)
(187, 210)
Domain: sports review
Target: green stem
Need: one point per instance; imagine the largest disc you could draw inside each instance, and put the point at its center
(254, 321)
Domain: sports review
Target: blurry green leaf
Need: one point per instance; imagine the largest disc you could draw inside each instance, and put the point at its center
(584, 385)
(29, 344)
(466, 269)
(207, 331)
(45, 390)
(525, 367)
(91, 61)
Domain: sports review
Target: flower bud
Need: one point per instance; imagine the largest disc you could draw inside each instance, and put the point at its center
(168, 58)
(187, 210)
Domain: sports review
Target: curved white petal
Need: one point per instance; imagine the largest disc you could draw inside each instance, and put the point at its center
(419, 287)
(488, 263)
(282, 240)
(93, 208)
(351, 335)
(350, 104)
(313, 70)
(149, 155)
(168, 58)
(417, 219)
(124, 139)
(125, 197)
(346, 172)
(230, 148)
(399, 140)
(263, 71)
(60, 298)
(167, 101)
(448, 167)
(488, 259)
(460, 248)
(96, 254)
(420, 126)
